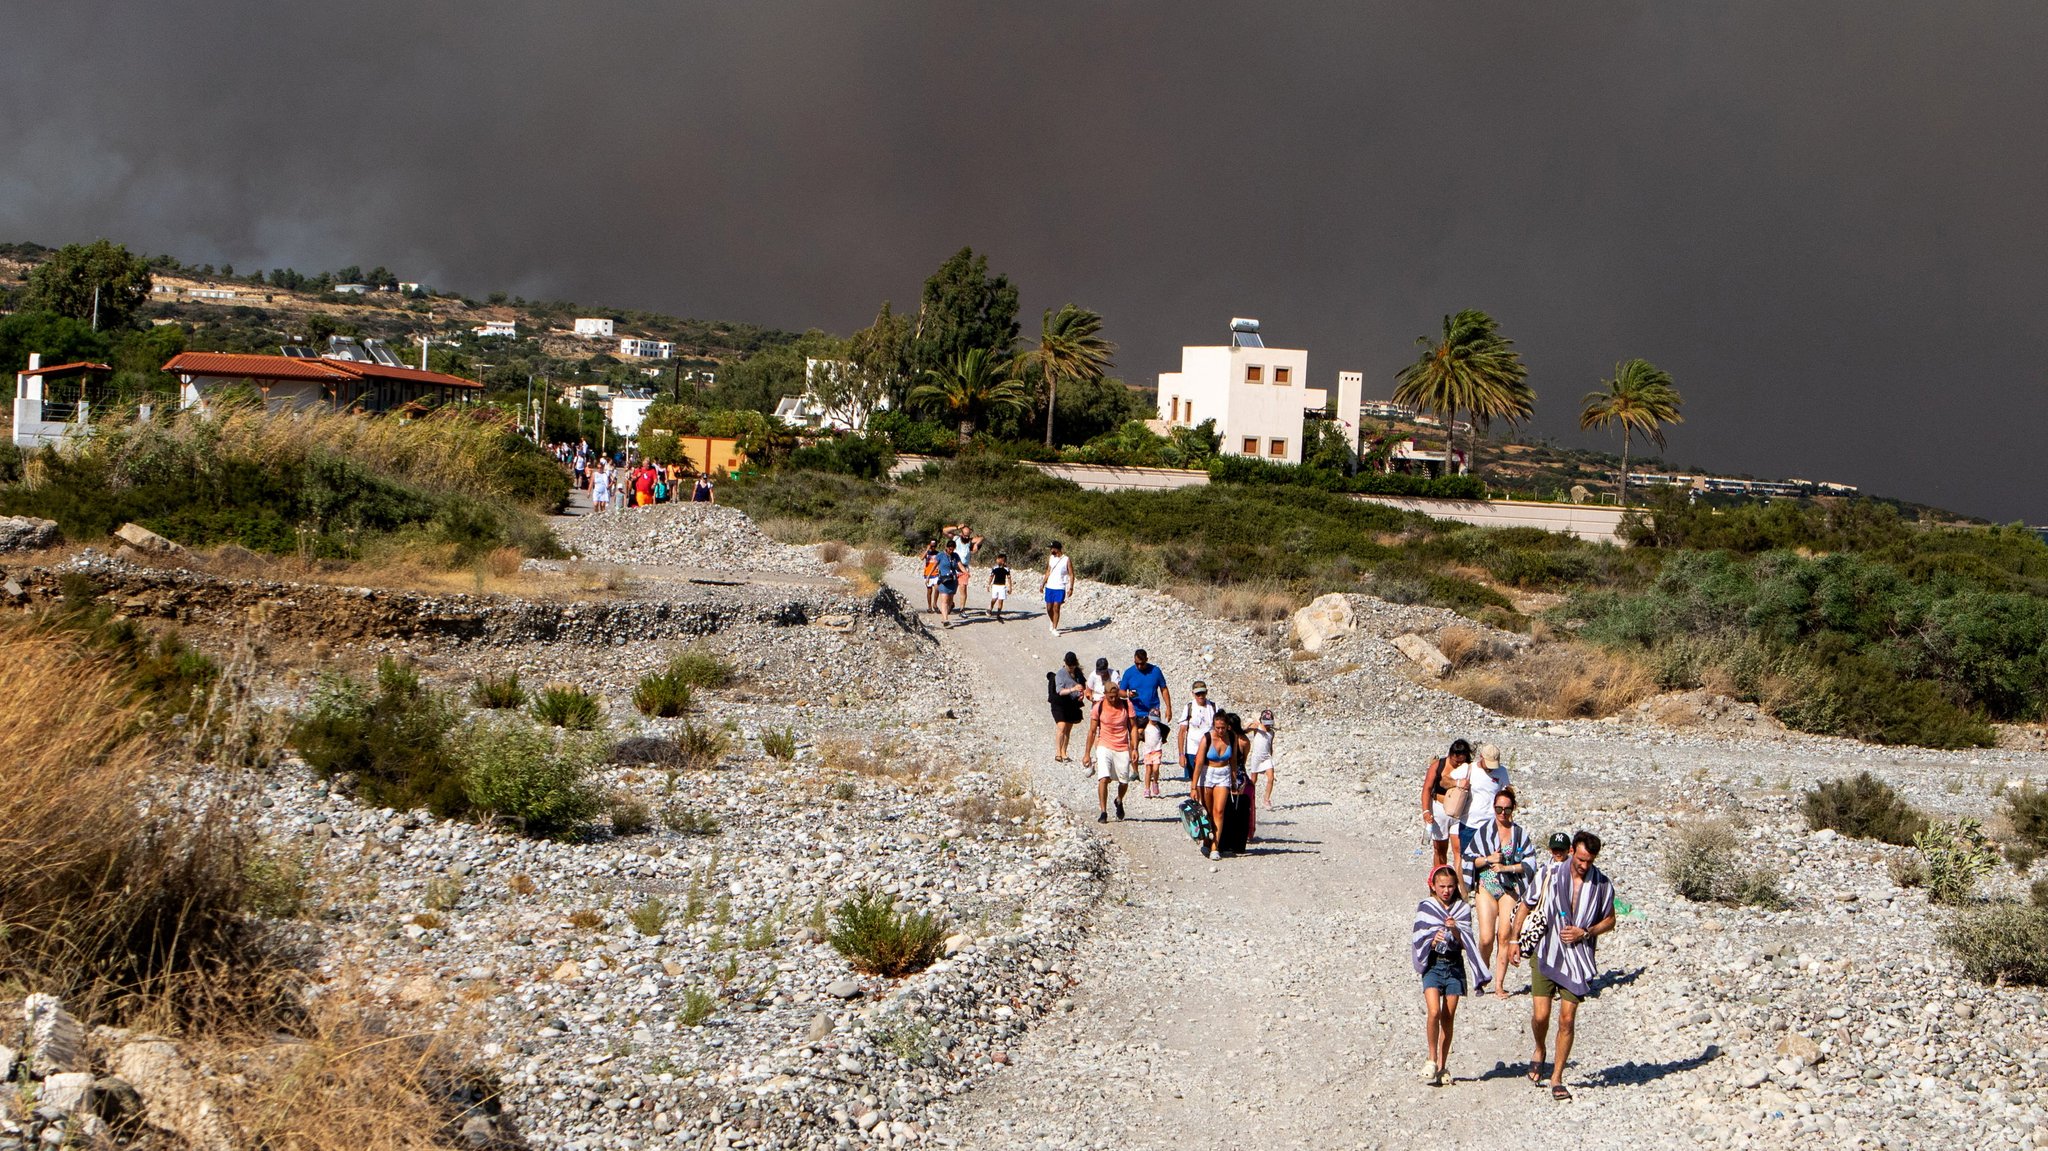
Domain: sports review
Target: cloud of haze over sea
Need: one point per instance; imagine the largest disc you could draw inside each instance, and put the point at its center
(1826, 220)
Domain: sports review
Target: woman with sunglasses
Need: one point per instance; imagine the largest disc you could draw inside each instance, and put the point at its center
(1495, 866)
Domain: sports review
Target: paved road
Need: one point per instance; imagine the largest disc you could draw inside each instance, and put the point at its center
(1265, 1001)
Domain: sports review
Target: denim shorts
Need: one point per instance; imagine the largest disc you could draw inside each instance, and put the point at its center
(1448, 978)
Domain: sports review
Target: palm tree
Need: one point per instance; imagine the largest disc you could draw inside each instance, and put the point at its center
(1472, 367)
(1641, 399)
(1070, 347)
(1513, 402)
(971, 390)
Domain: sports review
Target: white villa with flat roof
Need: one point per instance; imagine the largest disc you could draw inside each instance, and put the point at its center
(1257, 395)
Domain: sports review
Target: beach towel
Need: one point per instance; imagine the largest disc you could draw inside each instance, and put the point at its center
(1572, 966)
(1486, 841)
(1431, 915)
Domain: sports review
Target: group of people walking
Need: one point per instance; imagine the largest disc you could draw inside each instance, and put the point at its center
(1131, 729)
(641, 484)
(948, 568)
(1498, 902)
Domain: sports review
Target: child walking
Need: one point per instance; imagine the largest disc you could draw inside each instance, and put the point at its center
(1154, 751)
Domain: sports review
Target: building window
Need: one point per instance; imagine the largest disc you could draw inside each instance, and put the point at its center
(1277, 448)
(1187, 413)
(1252, 373)
(1251, 445)
(1280, 375)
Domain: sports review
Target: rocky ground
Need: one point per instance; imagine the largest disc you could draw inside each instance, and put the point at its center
(1104, 986)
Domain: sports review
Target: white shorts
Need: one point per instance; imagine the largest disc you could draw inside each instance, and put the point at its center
(1261, 767)
(931, 581)
(998, 592)
(1112, 764)
(1442, 826)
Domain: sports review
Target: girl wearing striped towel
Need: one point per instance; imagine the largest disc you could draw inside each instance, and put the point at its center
(1441, 943)
(1578, 907)
(1494, 871)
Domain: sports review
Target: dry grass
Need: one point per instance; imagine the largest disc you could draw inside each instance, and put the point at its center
(1556, 681)
(351, 1078)
(127, 913)
(1249, 602)
(878, 759)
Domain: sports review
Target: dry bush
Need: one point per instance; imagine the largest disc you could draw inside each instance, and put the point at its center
(124, 906)
(351, 1078)
(1469, 647)
(880, 759)
(1557, 681)
(504, 562)
(864, 582)
(832, 551)
(1263, 602)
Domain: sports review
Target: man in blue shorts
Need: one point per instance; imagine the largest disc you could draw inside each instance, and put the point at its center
(1146, 685)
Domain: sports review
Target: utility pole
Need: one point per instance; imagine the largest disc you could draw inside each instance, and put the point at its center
(95, 307)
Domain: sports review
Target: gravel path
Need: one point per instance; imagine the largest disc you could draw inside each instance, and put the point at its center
(1267, 1000)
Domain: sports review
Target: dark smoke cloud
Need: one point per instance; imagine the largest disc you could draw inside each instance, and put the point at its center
(1825, 219)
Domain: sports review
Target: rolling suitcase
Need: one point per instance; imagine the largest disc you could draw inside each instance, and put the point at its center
(1237, 822)
(1194, 819)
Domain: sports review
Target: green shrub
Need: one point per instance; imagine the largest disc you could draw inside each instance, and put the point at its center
(393, 740)
(2027, 808)
(1957, 856)
(698, 1007)
(1702, 865)
(2004, 944)
(537, 781)
(700, 747)
(649, 916)
(2021, 855)
(699, 666)
(663, 694)
(568, 707)
(876, 938)
(498, 692)
(683, 819)
(1862, 807)
(629, 816)
(2038, 893)
(779, 744)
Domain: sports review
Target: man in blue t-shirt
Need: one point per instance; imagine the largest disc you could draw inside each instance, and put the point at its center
(1146, 685)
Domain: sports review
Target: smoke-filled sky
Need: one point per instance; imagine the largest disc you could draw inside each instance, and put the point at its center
(1826, 220)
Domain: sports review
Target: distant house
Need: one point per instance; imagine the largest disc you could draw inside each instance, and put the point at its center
(408, 287)
(626, 413)
(294, 382)
(808, 411)
(594, 328)
(646, 349)
(351, 289)
(493, 328)
(55, 402)
(1257, 395)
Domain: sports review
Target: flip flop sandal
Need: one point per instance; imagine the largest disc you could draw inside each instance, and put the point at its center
(1536, 1074)
(1560, 1093)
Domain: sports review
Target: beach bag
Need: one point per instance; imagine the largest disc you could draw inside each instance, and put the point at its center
(1052, 689)
(1538, 924)
(1194, 819)
(1457, 796)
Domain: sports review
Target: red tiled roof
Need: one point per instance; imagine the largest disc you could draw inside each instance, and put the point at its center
(229, 365)
(402, 375)
(68, 369)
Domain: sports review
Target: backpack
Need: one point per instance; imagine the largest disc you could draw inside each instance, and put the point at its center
(660, 490)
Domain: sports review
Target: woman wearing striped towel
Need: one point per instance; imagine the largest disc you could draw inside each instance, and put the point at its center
(1577, 908)
(1495, 866)
(1441, 942)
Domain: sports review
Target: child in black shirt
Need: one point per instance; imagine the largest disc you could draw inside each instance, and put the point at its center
(998, 586)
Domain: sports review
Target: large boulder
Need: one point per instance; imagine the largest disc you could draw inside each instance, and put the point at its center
(142, 539)
(25, 533)
(1422, 654)
(172, 1096)
(56, 1041)
(1326, 618)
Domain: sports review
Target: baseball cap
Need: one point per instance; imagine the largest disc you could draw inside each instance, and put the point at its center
(1559, 841)
(1200, 686)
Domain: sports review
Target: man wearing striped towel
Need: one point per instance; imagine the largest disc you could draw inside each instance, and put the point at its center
(1579, 908)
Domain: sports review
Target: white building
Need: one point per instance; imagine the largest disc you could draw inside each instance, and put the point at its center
(594, 328)
(53, 403)
(626, 413)
(497, 328)
(851, 414)
(1257, 395)
(646, 349)
(351, 289)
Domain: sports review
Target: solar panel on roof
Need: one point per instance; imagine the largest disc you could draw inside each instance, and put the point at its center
(1246, 340)
(295, 352)
(380, 352)
(346, 348)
